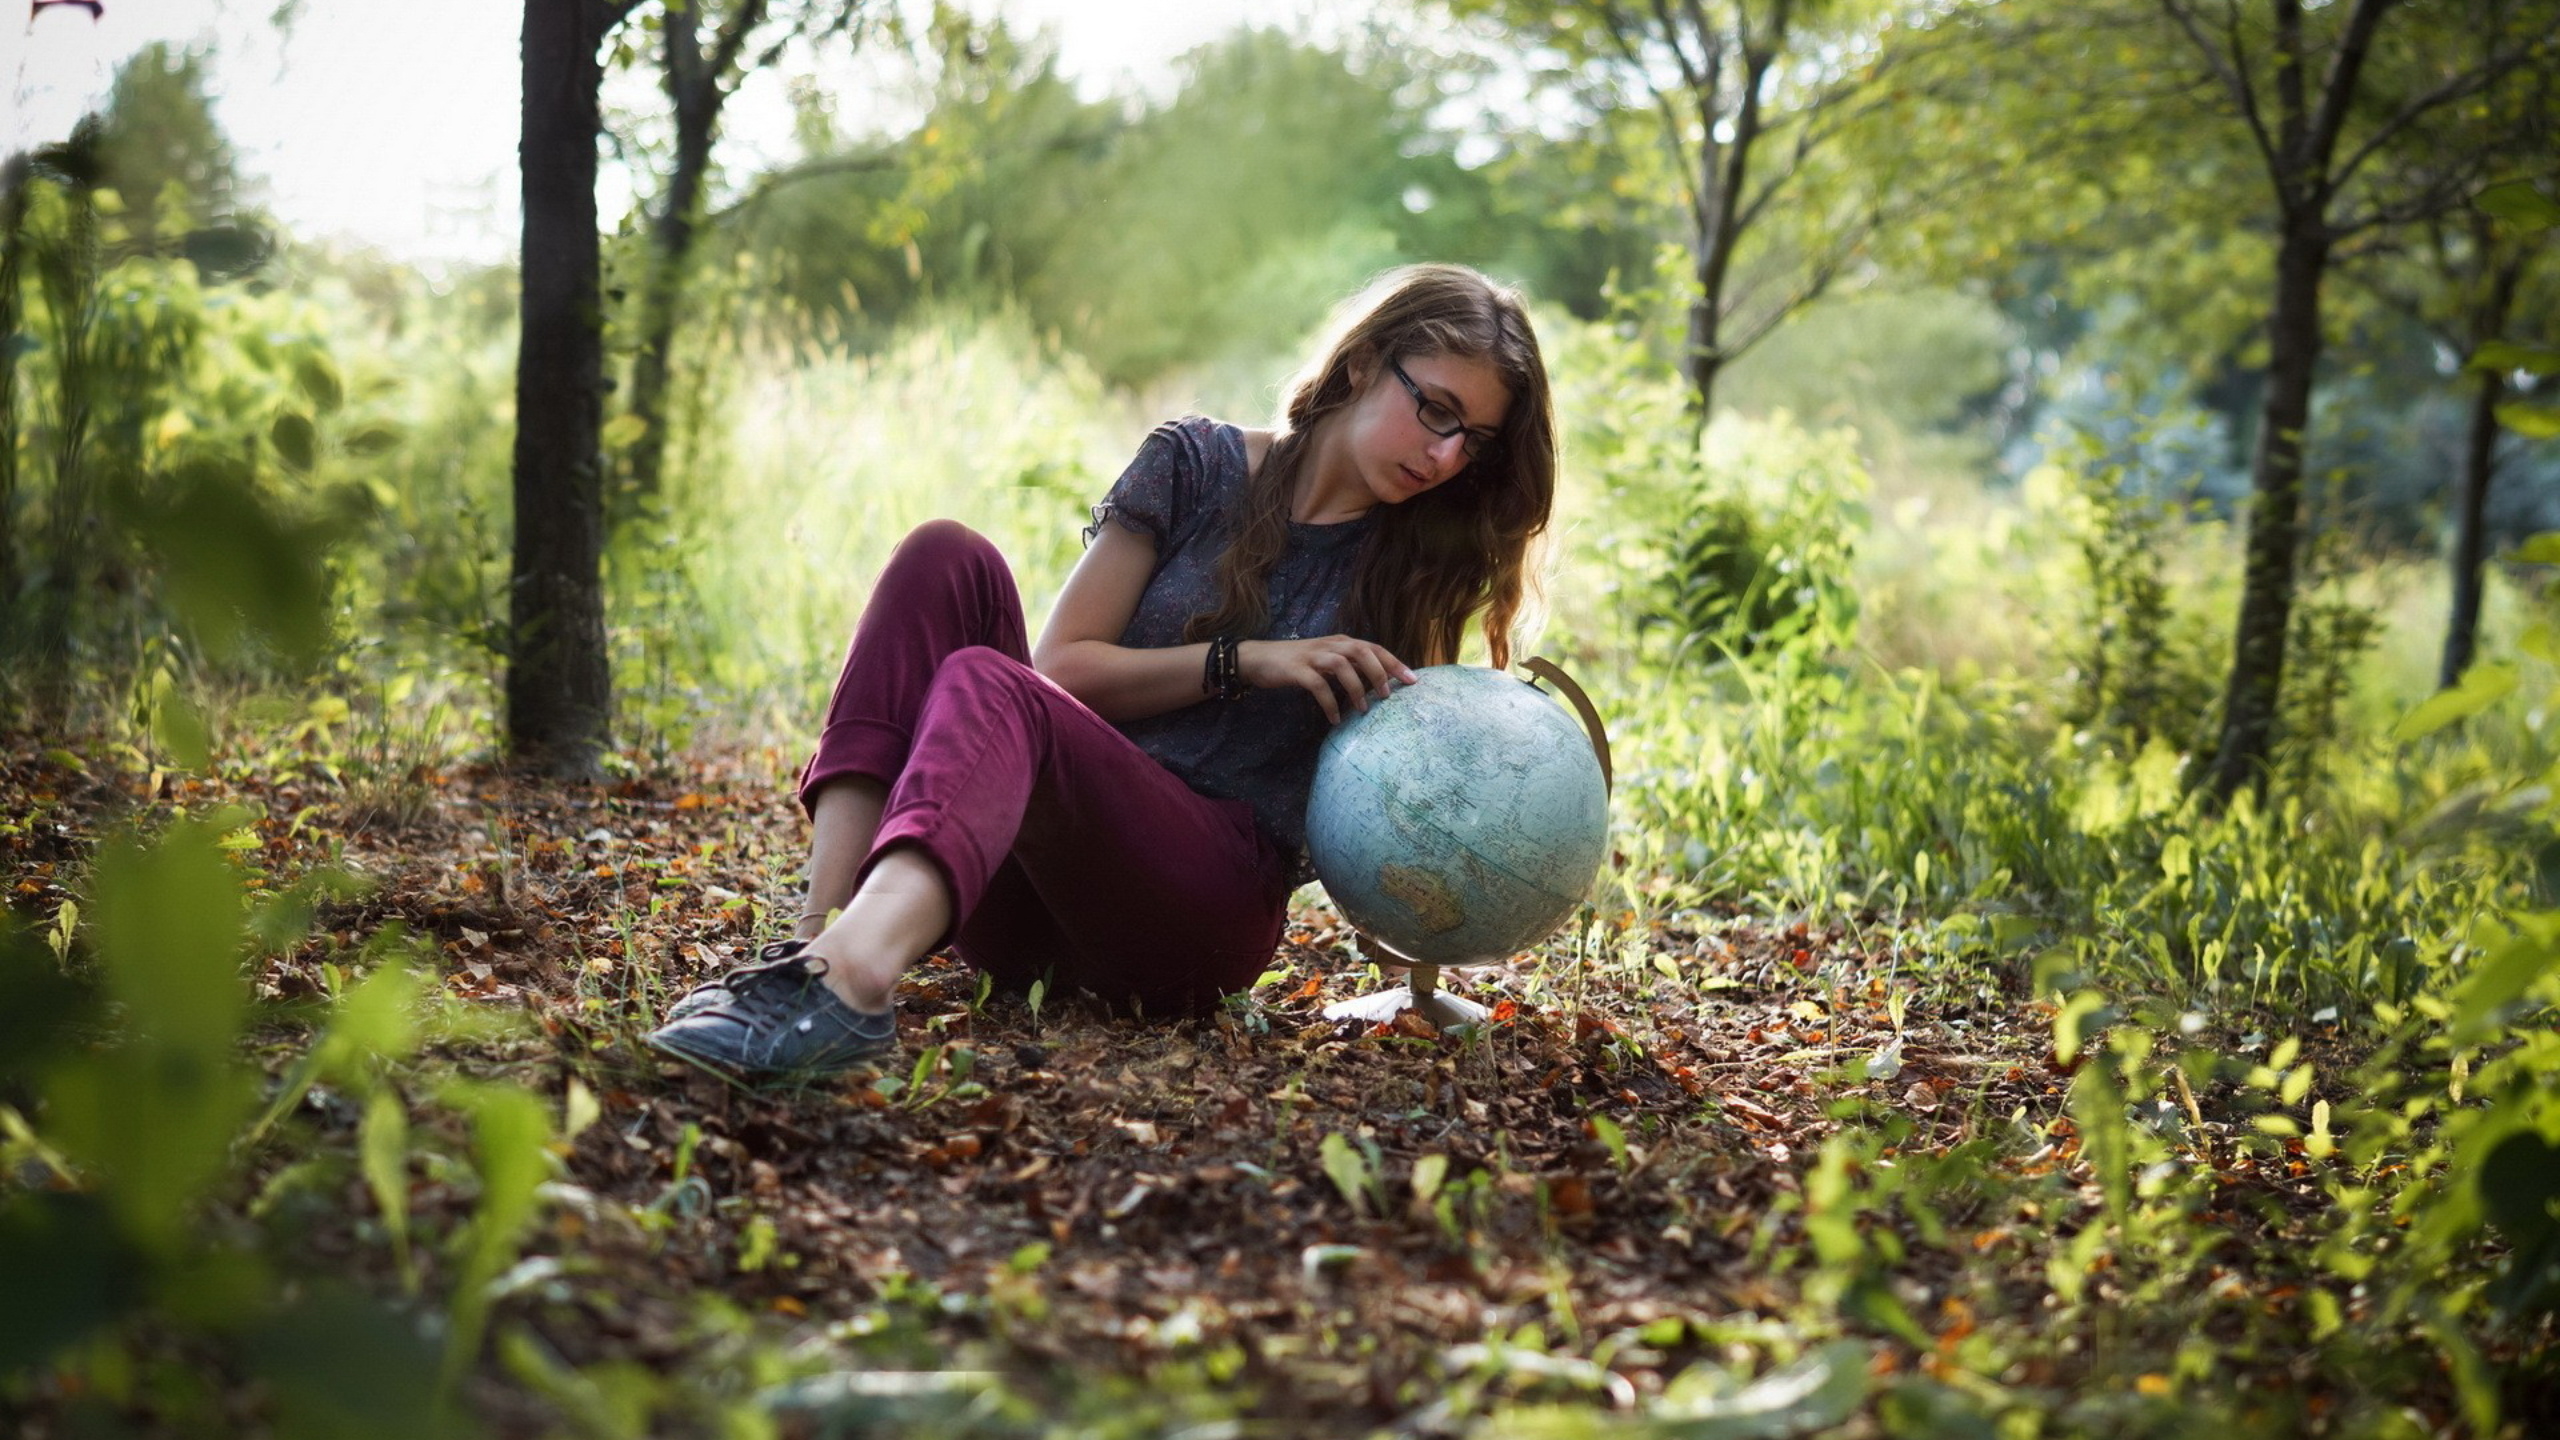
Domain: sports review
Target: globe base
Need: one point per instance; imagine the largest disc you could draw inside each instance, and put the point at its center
(1421, 994)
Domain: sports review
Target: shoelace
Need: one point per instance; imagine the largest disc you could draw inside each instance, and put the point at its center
(767, 994)
(770, 958)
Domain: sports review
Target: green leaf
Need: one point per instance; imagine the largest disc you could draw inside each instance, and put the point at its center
(2083, 1013)
(2511, 968)
(231, 564)
(2542, 549)
(1429, 1173)
(226, 252)
(170, 929)
(1871, 1300)
(178, 728)
(294, 439)
(621, 431)
(2519, 1183)
(319, 380)
(2533, 422)
(68, 1274)
(2500, 356)
(376, 1022)
(383, 1143)
(2481, 686)
(343, 1364)
(155, 1114)
(373, 440)
(2520, 202)
(43, 1012)
(1348, 1172)
(510, 1130)
(1612, 1137)
(1817, 1393)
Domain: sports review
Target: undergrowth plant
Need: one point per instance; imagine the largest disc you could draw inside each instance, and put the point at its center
(148, 1234)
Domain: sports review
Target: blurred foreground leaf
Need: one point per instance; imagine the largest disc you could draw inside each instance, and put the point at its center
(67, 1274)
(2482, 686)
(234, 567)
(154, 1113)
(42, 1010)
(2501, 355)
(1816, 1393)
(2534, 422)
(345, 1365)
(2521, 202)
(294, 439)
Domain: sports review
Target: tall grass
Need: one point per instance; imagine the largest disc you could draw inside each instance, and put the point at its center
(1951, 766)
(733, 618)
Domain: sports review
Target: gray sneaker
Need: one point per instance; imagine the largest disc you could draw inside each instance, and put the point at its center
(720, 990)
(779, 1023)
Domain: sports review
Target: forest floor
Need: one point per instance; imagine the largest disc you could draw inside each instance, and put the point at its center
(1052, 1215)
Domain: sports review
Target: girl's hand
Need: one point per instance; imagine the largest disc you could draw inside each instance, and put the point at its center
(1329, 668)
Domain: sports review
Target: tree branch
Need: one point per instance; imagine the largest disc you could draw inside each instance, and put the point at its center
(2460, 87)
(732, 37)
(831, 166)
(1671, 126)
(2338, 87)
(2231, 66)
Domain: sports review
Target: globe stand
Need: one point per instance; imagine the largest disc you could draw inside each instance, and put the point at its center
(1421, 994)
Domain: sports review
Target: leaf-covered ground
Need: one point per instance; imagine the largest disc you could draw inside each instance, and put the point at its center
(1317, 1228)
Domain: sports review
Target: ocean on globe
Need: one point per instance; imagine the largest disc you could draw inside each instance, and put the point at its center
(1459, 819)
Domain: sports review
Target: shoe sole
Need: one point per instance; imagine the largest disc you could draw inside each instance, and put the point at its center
(751, 1081)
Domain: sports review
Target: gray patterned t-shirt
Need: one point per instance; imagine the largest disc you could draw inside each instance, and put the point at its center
(1260, 747)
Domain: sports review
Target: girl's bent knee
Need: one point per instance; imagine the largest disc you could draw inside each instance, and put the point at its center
(984, 665)
(939, 544)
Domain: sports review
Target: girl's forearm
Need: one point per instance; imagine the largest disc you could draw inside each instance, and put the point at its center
(1120, 683)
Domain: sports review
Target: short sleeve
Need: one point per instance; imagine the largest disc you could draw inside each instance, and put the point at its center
(1160, 494)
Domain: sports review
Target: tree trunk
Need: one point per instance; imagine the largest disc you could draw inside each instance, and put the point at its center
(559, 681)
(1717, 222)
(2266, 599)
(2479, 468)
(2479, 465)
(69, 275)
(15, 181)
(671, 236)
(1706, 357)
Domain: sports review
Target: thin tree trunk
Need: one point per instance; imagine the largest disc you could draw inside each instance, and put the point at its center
(1723, 168)
(69, 274)
(2470, 541)
(559, 681)
(1711, 257)
(1706, 356)
(2266, 599)
(671, 236)
(2479, 467)
(15, 183)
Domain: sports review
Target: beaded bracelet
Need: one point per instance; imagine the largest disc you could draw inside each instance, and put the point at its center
(1222, 675)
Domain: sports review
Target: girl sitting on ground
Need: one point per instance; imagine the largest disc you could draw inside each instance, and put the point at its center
(1120, 807)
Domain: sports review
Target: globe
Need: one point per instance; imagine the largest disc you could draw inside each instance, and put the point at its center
(1459, 819)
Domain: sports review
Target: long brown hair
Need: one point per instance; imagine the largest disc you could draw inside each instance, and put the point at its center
(1431, 563)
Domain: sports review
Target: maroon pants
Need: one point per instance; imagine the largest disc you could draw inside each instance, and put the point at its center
(1072, 856)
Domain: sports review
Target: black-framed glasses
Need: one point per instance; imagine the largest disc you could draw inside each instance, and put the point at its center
(1444, 422)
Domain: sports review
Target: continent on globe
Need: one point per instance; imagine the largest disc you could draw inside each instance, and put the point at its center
(1460, 819)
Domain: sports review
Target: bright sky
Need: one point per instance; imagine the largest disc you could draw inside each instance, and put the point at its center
(393, 122)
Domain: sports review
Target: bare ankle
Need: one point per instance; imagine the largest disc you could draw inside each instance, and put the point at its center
(856, 984)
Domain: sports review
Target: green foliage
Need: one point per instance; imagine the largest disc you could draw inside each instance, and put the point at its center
(143, 1137)
(167, 479)
(1741, 542)
(1214, 227)
(2144, 670)
(164, 153)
